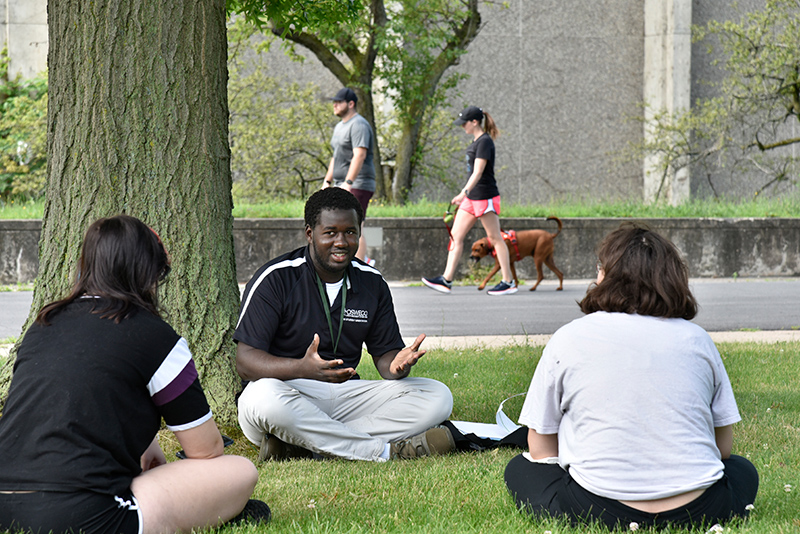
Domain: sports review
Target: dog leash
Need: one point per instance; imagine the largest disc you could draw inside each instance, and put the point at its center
(448, 219)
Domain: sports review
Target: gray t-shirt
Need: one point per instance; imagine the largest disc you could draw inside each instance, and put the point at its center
(634, 401)
(356, 132)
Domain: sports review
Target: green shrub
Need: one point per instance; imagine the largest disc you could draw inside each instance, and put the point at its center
(23, 134)
(279, 131)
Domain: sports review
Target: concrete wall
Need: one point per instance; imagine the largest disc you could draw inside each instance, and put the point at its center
(19, 251)
(560, 78)
(407, 249)
(23, 29)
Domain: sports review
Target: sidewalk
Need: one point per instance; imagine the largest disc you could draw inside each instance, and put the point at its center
(459, 342)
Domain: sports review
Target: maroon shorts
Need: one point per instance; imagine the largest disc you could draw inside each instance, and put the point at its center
(363, 197)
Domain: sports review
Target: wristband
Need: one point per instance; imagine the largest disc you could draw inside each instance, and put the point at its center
(465, 191)
(329, 182)
(349, 182)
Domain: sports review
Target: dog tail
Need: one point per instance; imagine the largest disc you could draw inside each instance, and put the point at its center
(556, 219)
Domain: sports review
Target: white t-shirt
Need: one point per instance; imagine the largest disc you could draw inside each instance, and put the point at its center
(634, 401)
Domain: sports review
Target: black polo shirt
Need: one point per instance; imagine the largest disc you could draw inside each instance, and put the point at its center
(282, 310)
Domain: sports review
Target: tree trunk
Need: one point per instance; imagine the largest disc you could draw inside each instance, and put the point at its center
(404, 170)
(138, 124)
(402, 181)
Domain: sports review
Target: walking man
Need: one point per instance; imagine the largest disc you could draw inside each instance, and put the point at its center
(351, 166)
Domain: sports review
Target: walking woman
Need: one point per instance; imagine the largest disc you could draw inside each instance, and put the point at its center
(94, 376)
(480, 199)
(630, 409)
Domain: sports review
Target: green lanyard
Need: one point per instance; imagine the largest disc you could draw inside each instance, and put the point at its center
(324, 295)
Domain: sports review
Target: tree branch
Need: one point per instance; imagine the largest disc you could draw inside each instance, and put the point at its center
(318, 48)
(763, 148)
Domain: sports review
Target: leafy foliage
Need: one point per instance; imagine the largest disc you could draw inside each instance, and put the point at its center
(749, 125)
(297, 14)
(23, 134)
(279, 131)
(404, 47)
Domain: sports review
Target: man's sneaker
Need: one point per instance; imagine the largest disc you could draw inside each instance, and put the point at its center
(254, 512)
(503, 288)
(369, 261)
(273, 448)
(438, 283)
(437, 440)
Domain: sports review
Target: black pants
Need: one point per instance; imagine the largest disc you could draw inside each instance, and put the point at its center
(59, 512)
(542, 489)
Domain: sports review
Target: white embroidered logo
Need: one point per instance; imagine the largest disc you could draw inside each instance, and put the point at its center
(357, 316)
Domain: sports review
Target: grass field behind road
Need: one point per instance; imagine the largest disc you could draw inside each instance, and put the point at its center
(788, 206)
(465, 492)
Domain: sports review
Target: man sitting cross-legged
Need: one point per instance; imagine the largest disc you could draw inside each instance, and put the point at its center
(304, 318)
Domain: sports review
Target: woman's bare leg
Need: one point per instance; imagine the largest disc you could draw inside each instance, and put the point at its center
(462, 224)
(187, 494)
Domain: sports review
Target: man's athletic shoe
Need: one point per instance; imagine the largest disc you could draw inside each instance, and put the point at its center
(438, 283)
(254, 512)
(369, 261)
(503, 288)
(437, 440)
(273, 448)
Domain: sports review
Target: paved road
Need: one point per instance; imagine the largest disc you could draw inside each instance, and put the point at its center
(14, 306)
(725, 305)
(764, 304)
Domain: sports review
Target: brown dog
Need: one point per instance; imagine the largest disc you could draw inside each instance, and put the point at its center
(536, 243)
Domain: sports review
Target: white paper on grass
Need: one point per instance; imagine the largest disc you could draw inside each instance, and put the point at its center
(498, 431)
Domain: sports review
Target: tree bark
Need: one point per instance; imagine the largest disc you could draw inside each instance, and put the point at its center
(138, 124)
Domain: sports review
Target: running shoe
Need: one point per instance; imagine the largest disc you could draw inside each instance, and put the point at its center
(503, 288)
(438, 283)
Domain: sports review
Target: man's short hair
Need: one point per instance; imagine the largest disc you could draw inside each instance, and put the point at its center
(331, 198)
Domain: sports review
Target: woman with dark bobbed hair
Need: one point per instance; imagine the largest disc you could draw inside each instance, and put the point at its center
(630, 409)
(94, 376)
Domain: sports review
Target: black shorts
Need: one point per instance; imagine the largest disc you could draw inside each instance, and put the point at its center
(545, 489)
(63, 512)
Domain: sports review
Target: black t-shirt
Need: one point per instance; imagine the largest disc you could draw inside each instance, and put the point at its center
(282, 310)
(483, 148)
(87, 398)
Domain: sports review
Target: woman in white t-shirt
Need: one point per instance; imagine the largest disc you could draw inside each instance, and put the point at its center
(630, 409)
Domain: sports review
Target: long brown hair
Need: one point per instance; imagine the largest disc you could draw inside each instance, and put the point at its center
(489, 126)
(122, 260)
(643, 273)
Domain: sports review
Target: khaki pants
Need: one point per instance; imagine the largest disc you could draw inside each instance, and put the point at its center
(352, 420)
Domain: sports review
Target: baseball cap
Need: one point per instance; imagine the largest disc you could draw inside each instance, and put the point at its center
(345, 94)
(471, 113)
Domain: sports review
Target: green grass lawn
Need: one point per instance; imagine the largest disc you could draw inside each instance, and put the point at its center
(788, 206)
(759, 207)
(464, 492)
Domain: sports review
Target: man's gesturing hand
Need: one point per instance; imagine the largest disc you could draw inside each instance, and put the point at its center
(316, 368)
(406, 358)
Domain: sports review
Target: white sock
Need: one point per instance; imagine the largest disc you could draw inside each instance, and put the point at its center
(386, 450)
